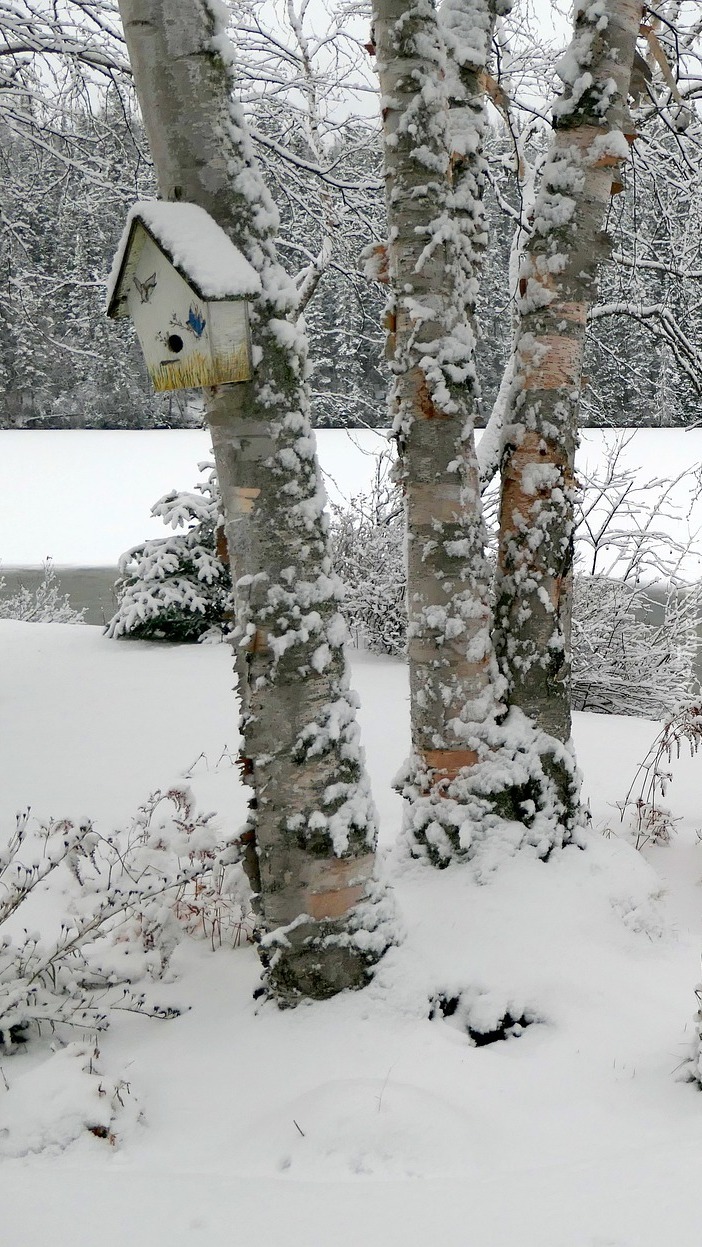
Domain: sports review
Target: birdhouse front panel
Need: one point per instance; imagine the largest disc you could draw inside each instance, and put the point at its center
(187, 342)
(230, 339)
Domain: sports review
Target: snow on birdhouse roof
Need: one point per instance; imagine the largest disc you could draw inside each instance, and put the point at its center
(196, 246)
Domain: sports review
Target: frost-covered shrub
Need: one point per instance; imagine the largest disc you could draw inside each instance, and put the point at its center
(41, 605)
(632, 654)
(368, 553)
(177, 588)
(214, 901)
(119, 899)
(642, 811)
(68, 1095)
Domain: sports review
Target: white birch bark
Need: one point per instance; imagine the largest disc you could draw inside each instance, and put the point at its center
(312, 828)
(431, 269)
(557, 286)
(467, 27)
(490, 448)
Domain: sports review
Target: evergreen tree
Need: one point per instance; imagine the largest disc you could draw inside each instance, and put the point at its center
(177, 588)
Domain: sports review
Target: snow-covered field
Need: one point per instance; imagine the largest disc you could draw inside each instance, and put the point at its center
(82, 497)
(361, 1122)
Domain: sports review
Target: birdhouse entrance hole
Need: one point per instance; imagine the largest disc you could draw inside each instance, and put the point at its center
(174, 343)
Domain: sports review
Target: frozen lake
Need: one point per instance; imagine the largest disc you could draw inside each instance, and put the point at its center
(82, 497)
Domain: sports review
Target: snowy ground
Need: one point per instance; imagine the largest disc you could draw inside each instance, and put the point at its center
(361, 1122)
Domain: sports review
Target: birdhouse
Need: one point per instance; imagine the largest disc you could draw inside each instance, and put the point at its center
(187, 288)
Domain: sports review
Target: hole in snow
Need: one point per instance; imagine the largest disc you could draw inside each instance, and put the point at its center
(174, 342)
(483, 1024)
(18, 1034)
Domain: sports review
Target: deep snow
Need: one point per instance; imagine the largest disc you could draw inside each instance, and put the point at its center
(361, 1121)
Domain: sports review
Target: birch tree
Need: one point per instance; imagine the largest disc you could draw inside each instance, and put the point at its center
(476, 766)
(434, 231)
(516, 758)
(557, 286)
(312, 829)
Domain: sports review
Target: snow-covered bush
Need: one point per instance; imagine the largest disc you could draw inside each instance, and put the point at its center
(642, 811)
(177, 588)
(119, 899)
(214, 902)
(41, 605)
(68, 1095)
(632, 654)
(368, 553)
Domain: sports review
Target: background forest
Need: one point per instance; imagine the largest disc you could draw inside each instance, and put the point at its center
(73, 159)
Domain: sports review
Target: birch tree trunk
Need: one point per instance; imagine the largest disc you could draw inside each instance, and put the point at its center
(467, 27)
(312, 824)
(431, 267)
(557, 286)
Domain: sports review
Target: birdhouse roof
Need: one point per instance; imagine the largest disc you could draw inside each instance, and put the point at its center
(192, 242)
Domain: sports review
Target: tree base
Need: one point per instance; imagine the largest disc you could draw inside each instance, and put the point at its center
(311, 960)
(528, 780)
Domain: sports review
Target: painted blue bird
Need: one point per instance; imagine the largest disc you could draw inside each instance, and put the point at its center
(196, 322)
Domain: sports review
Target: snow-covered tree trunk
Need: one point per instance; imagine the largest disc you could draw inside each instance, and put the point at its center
(431, 264)
(467, 27)
(312, 820)
(557, 285)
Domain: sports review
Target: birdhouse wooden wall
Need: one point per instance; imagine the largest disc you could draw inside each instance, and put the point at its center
(187, 341)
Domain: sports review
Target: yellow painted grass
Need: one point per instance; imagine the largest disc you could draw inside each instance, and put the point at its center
(200, 369)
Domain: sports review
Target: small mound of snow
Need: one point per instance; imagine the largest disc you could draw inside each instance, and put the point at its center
(364, 1128)
(61, 1100)
(484, 1016)
(631, 885)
